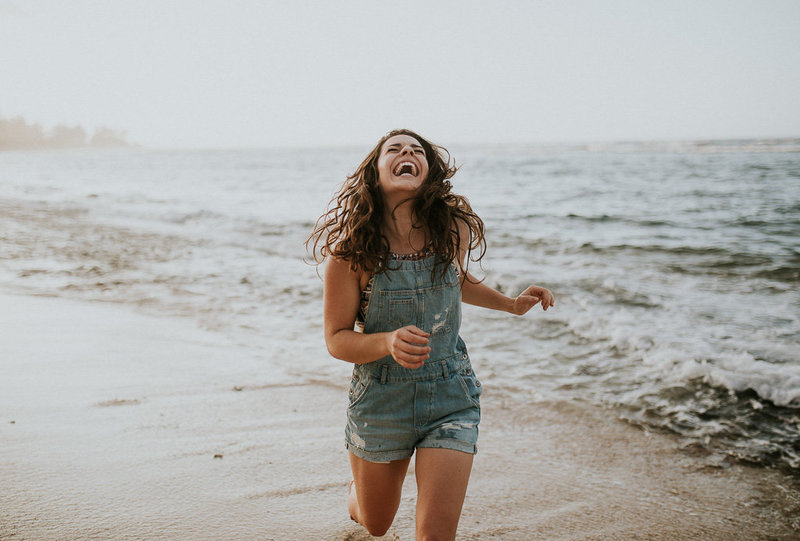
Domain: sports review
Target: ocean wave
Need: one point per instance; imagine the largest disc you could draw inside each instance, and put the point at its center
(664, 369)
(708, 257)
(194, 217)
(777, 383)
(790, 273)
(792, 210)
(788, 226)
(681, 250)
(731, 404)
(605, 218)
(703, 260)
(722, 425)
(620, 293)
(759, 223)
(781, 145)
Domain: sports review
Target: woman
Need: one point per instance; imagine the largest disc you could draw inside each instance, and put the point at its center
(397, 244)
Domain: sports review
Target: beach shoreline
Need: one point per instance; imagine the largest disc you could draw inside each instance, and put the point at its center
(116, 424)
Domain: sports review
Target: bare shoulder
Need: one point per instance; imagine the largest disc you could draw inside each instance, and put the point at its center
(340, 272)
(339, 269)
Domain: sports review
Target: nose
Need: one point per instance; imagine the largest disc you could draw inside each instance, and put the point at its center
(407, 150)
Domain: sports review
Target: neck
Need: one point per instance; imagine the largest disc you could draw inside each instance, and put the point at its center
(398, 228)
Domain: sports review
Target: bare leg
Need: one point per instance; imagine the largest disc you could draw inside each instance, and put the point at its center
(376, 497)
(442, 478)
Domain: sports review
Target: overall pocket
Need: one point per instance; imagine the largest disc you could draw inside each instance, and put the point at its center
(402, 311)
(358, 389)
(471, 386)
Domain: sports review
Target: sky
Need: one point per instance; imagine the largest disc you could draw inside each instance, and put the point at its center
(247, 73)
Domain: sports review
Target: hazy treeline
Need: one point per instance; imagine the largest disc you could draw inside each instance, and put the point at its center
(17, 133)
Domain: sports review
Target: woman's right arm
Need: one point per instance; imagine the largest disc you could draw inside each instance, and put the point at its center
(408, 345)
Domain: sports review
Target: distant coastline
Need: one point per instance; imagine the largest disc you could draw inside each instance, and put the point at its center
(17, 134)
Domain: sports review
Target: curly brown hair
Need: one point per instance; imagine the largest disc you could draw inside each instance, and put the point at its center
(351, 227)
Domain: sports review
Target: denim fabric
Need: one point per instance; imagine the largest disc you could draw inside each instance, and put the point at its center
(393, 409)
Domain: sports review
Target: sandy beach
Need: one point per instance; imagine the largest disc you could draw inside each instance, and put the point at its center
(121, 425)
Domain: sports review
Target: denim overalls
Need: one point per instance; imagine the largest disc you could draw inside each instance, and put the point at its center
(393, 409)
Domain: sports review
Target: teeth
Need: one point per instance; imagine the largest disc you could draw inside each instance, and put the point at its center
(406, 163)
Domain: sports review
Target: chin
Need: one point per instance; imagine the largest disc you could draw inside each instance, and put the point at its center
(403, 185)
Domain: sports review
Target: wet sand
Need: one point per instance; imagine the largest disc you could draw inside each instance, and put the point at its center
(118, 425)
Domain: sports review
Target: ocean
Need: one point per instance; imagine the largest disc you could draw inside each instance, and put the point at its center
(675, 268)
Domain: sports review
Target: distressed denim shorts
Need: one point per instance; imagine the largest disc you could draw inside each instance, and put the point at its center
(394, 410)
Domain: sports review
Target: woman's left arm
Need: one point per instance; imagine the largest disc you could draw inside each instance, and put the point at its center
(479, 294)
(482, 295)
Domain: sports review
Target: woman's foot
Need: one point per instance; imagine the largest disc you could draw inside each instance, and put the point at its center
(352, 501)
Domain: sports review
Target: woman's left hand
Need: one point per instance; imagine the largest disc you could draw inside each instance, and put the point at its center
(528, 298)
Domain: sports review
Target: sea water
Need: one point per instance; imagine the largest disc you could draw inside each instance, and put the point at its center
(675, 268)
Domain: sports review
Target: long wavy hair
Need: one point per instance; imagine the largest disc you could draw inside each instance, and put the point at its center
(351, 227)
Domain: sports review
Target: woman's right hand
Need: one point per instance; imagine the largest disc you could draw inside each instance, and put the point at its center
(409, 346)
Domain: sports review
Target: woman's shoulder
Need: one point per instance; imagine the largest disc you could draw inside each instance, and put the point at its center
(341, 268)
(341, 265)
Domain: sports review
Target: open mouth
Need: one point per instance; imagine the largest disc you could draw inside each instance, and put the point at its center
(406, 168)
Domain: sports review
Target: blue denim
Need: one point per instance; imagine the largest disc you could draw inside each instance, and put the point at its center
(393, 409)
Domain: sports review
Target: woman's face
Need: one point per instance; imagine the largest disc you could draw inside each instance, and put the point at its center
(402, 165)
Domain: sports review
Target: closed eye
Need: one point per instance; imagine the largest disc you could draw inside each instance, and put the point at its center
(396, 148)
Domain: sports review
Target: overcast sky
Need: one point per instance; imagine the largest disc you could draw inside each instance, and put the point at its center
(300, 73)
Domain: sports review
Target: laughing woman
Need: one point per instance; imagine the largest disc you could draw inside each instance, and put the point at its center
(397, 244)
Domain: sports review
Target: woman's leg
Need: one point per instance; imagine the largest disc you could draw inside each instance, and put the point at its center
(376, 497)
(442, 477)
